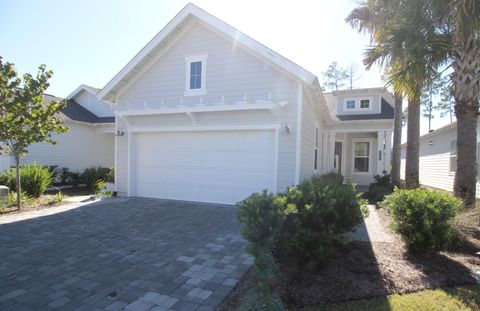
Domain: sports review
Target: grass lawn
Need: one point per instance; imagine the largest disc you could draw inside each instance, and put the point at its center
(460, 298)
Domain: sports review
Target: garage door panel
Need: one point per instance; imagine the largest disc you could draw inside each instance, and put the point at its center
(220, 167)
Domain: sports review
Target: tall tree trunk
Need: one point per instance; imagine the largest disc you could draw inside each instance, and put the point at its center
(397, 140)
(19, 188)
(413, 134)
(466, 81)
(466, 174)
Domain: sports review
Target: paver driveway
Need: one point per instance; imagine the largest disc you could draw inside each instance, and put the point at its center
(135, 254)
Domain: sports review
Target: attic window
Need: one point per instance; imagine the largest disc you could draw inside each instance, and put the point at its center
(195, 75)
(365, 104)
(350, 104)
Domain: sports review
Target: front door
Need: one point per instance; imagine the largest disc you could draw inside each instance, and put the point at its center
(337, 164)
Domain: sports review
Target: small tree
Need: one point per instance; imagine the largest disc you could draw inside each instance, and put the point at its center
(24, 116)
(432, 88)
(335, 77)
(447, 102)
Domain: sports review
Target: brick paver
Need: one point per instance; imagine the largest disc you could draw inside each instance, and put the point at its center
(133, 254)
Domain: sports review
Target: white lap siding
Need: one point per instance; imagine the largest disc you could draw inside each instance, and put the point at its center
(435, 160)
(82, 146)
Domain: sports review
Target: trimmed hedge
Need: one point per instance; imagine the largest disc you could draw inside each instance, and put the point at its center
(422, 218)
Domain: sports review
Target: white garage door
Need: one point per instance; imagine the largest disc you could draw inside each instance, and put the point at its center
(215, 166)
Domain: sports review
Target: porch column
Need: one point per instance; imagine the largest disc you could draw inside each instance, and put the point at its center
(380, 152)
(324, 152)
(331, 151)
(388, 150)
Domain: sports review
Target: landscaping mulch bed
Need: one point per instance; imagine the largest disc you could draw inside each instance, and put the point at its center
(42, 201)
(366, 270)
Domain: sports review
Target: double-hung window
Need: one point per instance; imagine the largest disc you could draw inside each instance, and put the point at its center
(315, 151)
(350, 104)
(358, 104)
(365, 104)
(361, 157)
(195, 75)
(453, 156)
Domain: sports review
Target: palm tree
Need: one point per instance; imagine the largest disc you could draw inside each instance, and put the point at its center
(397, 140)
(405, 43)
(371, 18)
(464, 18)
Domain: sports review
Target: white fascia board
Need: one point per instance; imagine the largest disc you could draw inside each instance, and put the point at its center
(79, 89)
(228, 30)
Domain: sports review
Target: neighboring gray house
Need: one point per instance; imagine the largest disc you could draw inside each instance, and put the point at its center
(438, 161)
(205, 113)
(89, 142)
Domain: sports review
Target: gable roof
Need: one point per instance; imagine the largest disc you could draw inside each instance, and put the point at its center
(145, 56)
(84, 88)
(77, 112)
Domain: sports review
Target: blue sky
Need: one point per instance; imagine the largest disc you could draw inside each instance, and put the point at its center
(90, 41)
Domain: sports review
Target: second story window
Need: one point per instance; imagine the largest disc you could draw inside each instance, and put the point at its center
(350, 104)
(357, 104)
(195, 75)
(365, 104)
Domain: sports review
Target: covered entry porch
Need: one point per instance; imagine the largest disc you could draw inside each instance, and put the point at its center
(358, 155)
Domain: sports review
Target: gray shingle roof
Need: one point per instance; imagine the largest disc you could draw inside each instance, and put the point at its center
(76, 112)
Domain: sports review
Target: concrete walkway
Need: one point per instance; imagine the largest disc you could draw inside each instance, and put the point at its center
(371, 230)
(124, 254)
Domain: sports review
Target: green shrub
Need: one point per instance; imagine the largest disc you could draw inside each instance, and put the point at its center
(261, 217)
(92, 175)
(7, 178)
(99, 187)
(34, 179)
(381, 187)
(317, 214)
(11, 200)
(74, 178)
(422, 218)
(57, 198)
(111, 175)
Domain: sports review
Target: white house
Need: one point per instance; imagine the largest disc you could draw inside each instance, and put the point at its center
(438, 160)
(205, 113)
(89, 142)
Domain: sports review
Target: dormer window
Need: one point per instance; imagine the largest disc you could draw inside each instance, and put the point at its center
(365, 104)
(357, 104)
(350, 104)
(195, 75)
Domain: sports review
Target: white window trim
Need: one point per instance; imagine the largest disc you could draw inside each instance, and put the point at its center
(316, 147)
(450, 156)
(342, 159)
(345, 108)
(370, 168)
(188, 60)
(357, 104)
